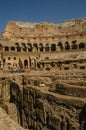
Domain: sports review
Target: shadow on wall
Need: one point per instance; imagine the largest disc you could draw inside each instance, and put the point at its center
(82, 118)
(15, 92)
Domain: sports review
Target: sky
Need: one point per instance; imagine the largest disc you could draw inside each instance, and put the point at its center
(55, 11)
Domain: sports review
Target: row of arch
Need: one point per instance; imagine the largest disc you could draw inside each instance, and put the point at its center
(41, 66)
(46, 47)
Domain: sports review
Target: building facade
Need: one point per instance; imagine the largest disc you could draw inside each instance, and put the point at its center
(43, 46)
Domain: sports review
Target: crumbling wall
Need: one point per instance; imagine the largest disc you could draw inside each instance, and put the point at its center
(6, 123)
(43, 111)
(35, 107)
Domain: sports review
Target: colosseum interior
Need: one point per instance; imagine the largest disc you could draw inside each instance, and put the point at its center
(43, 75)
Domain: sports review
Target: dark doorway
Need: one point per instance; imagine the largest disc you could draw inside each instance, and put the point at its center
(67, 46)
(53, 47)
(25, 63)
(81, 45)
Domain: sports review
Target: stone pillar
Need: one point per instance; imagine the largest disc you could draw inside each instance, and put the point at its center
(43, 48)
(9, 48)
(12, 111)
(63, 124)
(26, 49)
(49, 48)
(15, 49)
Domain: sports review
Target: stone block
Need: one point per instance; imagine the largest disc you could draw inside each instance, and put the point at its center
(54, 122)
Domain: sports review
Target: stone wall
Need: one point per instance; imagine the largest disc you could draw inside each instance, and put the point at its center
(45, 101)
(38, 108)
(50, 111)
(6, 123)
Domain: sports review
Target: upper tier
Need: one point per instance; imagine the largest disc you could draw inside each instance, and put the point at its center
(27, 29)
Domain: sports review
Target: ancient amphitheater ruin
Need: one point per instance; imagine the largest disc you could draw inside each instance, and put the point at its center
(43, 76)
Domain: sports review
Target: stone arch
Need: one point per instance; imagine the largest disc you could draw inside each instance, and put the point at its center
(47, 47)
(74, 66)
(35, 46)
(24, 49)
(53, 47)
(18, 48)
(52, 64)
(74, 45)
(17, 44)
(20, 63)
(60, 45)
(67, 46)
(14, 65)
(12, 48)
(9, 65)
(81, 45)
(23, 44)
(25, 63)
(6, 48)
(41, 47)
(29, 47)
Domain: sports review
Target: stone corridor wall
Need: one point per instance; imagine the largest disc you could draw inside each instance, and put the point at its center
(39, 109)
(52, 106)
(46, 111)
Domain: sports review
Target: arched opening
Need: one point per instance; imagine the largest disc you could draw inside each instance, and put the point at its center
(81, 45)
(41, 47)
(47, 47)
(59, 64)
(1, 46)
(53, 47)
(74, 66)
(74, 45)
(42, 64)
(52, 64)
(82, 67)
(20, 63)
(14, 65)
(24, 49)
(17, 44)
(29, 47)
(35, 47)
(67, 46)
(18, 49)
(6, 48)
(60, 45)
(25, 63)
(9, 65)
(38, 65)
(12, 48)
(24, 46)
(66, 68)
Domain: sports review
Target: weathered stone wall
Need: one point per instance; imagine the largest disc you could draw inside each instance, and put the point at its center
(51, 102)
(46, 111)
(43, 46)
(6, 123)
(40, 109)
(4, 90)
(70, 90)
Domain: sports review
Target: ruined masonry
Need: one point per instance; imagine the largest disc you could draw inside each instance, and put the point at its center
(43, 76)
